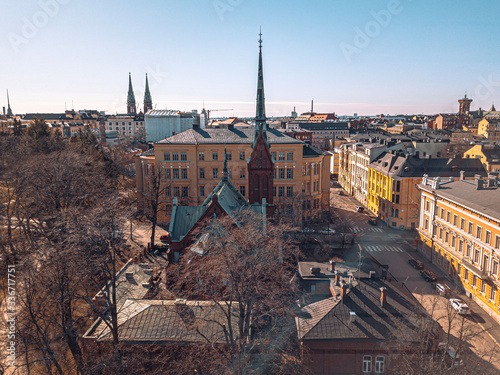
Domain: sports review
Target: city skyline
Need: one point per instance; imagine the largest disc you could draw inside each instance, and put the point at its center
(367, 58)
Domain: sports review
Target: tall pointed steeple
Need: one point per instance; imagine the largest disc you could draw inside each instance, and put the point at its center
(131, 109)
(9, 110)
(260, 116)
(148, 102)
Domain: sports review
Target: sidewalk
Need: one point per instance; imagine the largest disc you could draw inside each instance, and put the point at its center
(484, 320)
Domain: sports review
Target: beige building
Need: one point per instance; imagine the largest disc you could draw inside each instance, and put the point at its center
(192, 162)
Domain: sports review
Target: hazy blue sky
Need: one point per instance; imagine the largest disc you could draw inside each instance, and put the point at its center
(363, 56)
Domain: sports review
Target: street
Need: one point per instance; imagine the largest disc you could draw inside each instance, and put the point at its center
(392, 247)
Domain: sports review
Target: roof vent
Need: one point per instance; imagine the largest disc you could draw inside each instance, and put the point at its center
(315, 270)
(352, 317)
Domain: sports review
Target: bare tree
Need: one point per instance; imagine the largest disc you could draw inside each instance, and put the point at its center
(247, 272)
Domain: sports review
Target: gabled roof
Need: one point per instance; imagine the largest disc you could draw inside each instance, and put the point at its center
(184, 218)
(329, 319)
(226, 136)
(164, 321)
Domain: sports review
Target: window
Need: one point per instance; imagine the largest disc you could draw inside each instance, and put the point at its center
(166, 156)
(177, 191)
(289, 173)
(455, 220)
(483, 287)
(487, 237)
(289, 191)
(215, 173)
(492, 293)
(474, 280)
(201, 155)
(426, 205)
(397, 199)
(479, 232)
(426, 227)
(202, 173)
(289, 155)
(396, 212)
(476, 256)
(446, 237)
(485, 262)
(184, 156)
(453, 241)
(175, 174)
(185, 190)
(242, 173)
(281, 191)
(379, 365)
(229, 156)
(242, 190)
(468, 251)
(202, 190)
(281, 174)
(242, 155)
(497, 242)
(448, 216)
(494, 268)
(168, 191)
(367, 363)
(471, 228)
(442, 213)
(281, 155)
(168, 174)
(175, 156)
(466, 274)
(184, 173)
(440, 233)
(461, 246)
(215, 155)
(462, 224)
(398, 187)
(274, 191)
(273, 155)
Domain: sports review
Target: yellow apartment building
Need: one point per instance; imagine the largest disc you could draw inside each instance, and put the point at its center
(392, 192)
(192, 162)
(459, 230)
(489, 128)
(488, 154)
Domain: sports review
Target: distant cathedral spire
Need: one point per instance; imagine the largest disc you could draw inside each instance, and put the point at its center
(9, 110)
(148, 102)
(131, 110)
(260, 116)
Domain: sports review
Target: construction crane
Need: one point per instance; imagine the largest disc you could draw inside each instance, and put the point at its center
(213, 110)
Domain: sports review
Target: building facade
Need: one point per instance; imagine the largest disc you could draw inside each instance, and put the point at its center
(126, 126)
(459, 231)
(161, 124)
(488, 154)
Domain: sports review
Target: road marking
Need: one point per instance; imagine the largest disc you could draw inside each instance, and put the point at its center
(374, 248)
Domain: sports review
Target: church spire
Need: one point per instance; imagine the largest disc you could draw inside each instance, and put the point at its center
(9, 110)
(131, 110)
(225, 172)
(260, 117)
(148, 102)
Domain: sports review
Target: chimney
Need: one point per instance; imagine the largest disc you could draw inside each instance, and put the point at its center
(332, 265)
(383, 296)
(343, 291)
(352, 317)
(462, 175)
(4, 111)
(479, 184)
(417, 154)
(337, 278)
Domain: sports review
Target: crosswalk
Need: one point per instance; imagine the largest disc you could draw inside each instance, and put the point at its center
(362, 229)
(378, 248)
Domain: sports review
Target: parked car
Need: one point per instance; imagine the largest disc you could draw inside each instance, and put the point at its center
(360, 209)
(459, 305)
(327, 231)
(452, 357)
(444, 290)
(308, 230)
(372, 221)
(428, 275)
(418, 265)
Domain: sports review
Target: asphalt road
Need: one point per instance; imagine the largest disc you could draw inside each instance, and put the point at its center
(394, 248)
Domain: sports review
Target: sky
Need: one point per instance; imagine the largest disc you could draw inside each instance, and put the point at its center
(349, 56)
